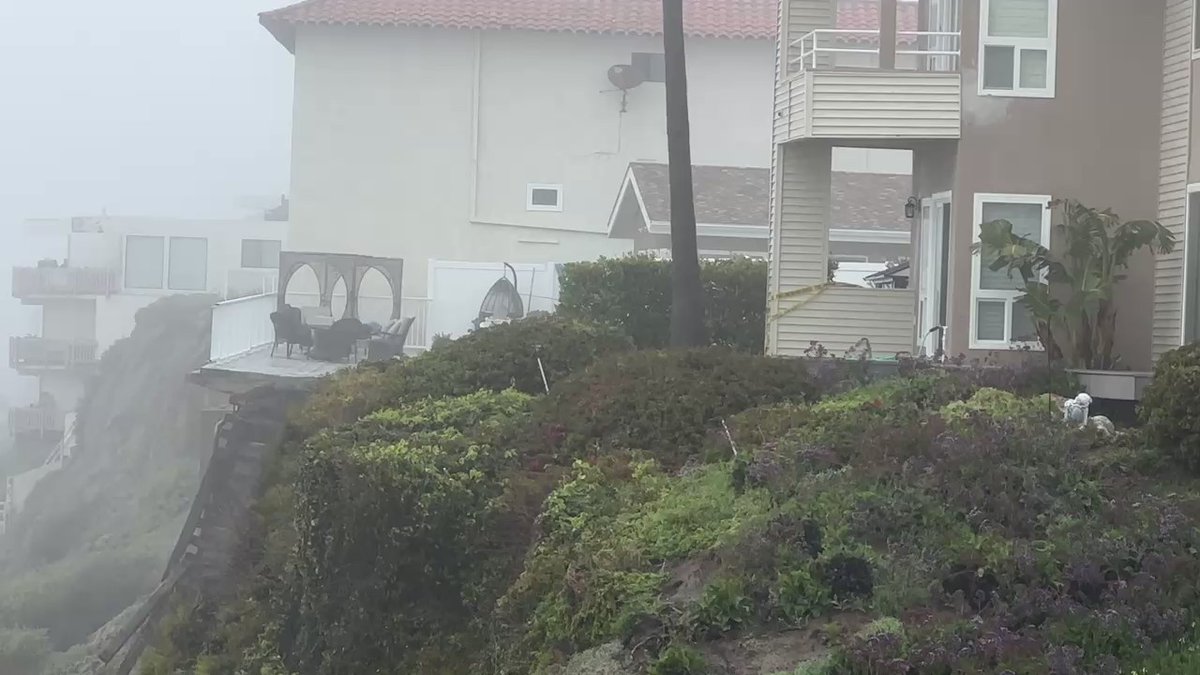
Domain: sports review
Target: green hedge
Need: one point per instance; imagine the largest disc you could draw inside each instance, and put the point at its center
(1171, 406)
(664, 402)
(492, 359)
(397, 539)
(634, 293)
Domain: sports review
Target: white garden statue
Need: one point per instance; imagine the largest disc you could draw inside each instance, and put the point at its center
(1075, 411)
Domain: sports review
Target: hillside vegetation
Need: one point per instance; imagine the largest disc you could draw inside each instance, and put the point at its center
(701, 512)
(94, 536)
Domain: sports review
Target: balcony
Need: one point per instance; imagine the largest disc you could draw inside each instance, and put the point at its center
(36, 354)
(32, 285)
(870, 84)
(36, 421)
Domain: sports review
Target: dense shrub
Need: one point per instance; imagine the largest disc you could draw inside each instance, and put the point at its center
(634, 293)
(396, 535)
(492, 359)
(664, 402)
(1171, 406)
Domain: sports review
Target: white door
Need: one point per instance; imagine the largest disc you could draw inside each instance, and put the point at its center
(934, 258)
(943, 18)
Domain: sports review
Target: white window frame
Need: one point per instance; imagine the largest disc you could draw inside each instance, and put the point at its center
(1010, 297)
(1049, 43)
(530, 206)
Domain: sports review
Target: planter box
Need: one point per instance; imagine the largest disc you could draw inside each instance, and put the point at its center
(1113, 385)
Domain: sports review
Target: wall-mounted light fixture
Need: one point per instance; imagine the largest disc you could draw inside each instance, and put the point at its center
(910, 208)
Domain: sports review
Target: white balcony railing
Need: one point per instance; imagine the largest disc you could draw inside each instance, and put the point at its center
(240, 325)
(831, 48)
(36, 420)
(35, 282)
(244, 324)
(26, 353)
(418, 336)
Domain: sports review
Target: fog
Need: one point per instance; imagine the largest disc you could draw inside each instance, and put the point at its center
(135, 107)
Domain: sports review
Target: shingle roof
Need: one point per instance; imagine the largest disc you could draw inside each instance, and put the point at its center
(742, 19)
(725, 195)
(742, 196)
(870, 201)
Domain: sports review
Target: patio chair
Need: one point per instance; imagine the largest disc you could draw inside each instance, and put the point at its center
(337, 342)
(290, 330)
(389, 343)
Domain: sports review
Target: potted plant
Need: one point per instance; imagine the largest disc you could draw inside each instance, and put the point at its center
(1069, 291)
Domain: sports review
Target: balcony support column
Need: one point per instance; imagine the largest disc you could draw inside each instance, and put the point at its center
(887, 34)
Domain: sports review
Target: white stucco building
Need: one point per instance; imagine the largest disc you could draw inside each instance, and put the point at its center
(91, 275)
(482, 131)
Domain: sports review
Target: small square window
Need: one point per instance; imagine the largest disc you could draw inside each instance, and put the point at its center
(544, 198)
(651, 67)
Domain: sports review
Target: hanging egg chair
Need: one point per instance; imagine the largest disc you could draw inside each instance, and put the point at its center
(502, 302)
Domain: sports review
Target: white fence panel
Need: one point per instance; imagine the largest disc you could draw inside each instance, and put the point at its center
(457, 289)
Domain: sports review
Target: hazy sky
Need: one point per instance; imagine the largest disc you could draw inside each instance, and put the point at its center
(137, 107)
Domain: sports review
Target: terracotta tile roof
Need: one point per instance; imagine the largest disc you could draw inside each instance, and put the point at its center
(739, 19)
(744, 19)
(742, 196)
(864, 15)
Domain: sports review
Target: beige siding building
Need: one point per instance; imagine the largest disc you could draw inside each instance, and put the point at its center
(1005, 105)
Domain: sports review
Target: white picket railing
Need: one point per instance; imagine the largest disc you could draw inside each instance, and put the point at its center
(936, 51)
(241, 325)
(418, 336)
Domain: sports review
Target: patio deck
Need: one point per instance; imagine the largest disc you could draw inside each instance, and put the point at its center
(242, 372)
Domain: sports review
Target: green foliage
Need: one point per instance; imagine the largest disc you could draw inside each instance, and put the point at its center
(799, 596)
(1096, 250)
(395, 512)
(493, 359)
(624, 524)
(73, 598)
(634, 293)
(664, 402)
(23, 652)
(723, 607)
(679, 660)
(1171, 406)
(500, 534)
(1001, 405)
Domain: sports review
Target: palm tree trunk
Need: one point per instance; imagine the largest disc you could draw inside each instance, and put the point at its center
(687, 296)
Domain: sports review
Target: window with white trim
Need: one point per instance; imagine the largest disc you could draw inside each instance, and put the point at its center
(144, 261)
(188, 268)
(998, 320)
(261, 253)
(1017, 47)
(543, 197)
